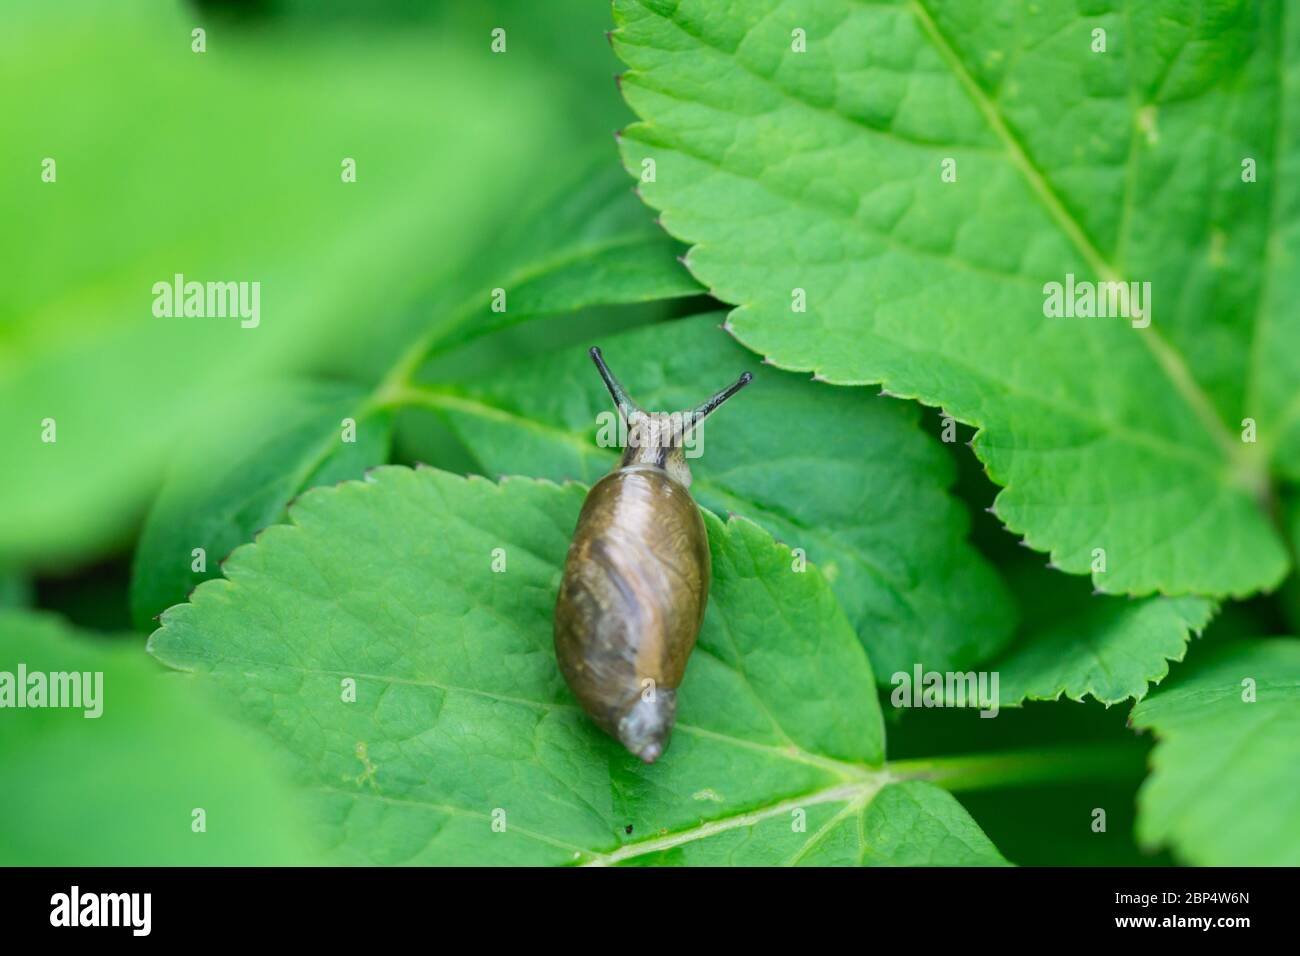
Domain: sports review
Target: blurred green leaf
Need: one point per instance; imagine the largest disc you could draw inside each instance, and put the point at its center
(1289, 594)
(565, 39)
(15, 589)
(589, 243)
(121, 789)
(1224, 788)
(224, 165)
(217, 507)
(461, 717)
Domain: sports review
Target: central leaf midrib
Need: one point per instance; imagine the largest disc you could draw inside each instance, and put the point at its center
(1167, 357)
(857, 793)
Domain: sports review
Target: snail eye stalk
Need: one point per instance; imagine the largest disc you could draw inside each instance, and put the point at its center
(707, 408)
(626, 407)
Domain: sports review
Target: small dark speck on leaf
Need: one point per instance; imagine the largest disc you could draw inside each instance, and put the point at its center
(628, 828)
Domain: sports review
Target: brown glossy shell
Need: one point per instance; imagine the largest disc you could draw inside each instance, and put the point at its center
(635, 585)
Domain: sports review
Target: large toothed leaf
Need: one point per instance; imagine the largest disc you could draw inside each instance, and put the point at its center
(1225, 784)
(845, 476)
(926, 167)
(462, 721)
(311, 434)
(1077, 644)
(122, 788)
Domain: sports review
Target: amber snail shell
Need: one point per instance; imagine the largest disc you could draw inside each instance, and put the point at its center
(636, 580)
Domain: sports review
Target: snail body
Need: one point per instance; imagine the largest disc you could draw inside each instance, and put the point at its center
(636, 579)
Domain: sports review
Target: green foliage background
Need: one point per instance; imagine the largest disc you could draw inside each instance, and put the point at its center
(1120, 690)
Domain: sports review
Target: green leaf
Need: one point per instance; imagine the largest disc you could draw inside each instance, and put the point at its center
(461, 716)
(1225, 783)
(847, 477)
(15, 589)
(1079, 644)
(590, 243)
(216, 508)
(1289, 594)
(445, 136)
(823, 171)
(121, 789)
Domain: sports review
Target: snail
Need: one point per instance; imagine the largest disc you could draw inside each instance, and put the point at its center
(636, 579)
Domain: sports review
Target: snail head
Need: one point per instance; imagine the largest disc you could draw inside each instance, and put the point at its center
(659, 438)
